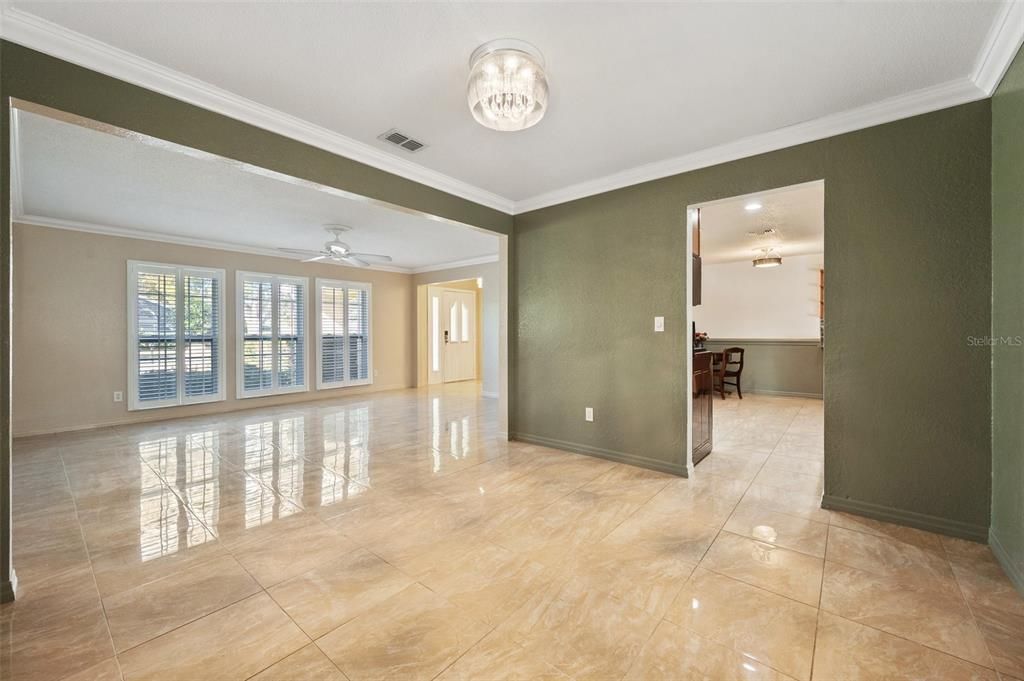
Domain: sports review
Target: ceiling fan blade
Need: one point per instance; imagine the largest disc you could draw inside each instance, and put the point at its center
(353, 260)
(300, 251)
(372, 256)
(317, 258)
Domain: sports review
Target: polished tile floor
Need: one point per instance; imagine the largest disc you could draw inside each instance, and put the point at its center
(397, 536)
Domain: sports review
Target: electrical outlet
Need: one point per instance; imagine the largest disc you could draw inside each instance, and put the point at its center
(118, 396)
(659, 324)
(588, 414)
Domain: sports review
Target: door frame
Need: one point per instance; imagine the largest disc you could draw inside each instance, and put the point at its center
(691, 215)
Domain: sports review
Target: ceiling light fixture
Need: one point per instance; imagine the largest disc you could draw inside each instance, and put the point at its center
(752, 206)
(768, 258)
(507, 88)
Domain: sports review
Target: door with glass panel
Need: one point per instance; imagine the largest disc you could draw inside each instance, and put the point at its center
(458, 322)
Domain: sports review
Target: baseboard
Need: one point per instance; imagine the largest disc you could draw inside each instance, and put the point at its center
(9, 589)
(1010, 566)
(247, 404)
(931, 523)
(785, 393)
(611, 455)
(490, 395)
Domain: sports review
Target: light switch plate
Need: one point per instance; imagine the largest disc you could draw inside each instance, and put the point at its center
(588, 414)
(659, 324)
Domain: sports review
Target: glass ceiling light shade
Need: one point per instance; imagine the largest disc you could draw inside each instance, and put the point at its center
(768, 258)
(507, 88)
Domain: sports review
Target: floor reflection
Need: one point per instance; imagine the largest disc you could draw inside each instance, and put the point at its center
(243, 473)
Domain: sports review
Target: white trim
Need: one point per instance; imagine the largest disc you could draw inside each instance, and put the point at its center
(1001, 46)
(338, 283)
(468, 262)
(45, 36)
(913, 103)
(180, 271)
(759, 194)
(275, 280)
(17, 196)
(162, 237)
(489, 395)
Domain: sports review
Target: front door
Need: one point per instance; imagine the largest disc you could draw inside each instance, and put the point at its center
(458, 319)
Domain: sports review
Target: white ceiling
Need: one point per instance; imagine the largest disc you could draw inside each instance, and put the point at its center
(796, 213)
(73, 176)
(637, 90)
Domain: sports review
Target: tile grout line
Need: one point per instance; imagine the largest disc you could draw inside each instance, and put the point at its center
(92, 568)
(821, 593)
(721, 529)
(967, 602)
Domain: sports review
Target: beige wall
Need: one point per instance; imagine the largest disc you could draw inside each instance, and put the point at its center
(70, 327)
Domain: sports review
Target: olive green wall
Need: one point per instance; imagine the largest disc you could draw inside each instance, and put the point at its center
(40, 79)
(907, 239)
(7, 577)
(1007, 532)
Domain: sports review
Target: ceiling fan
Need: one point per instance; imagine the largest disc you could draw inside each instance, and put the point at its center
(337, 250)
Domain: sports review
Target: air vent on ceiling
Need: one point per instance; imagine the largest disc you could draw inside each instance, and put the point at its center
(401, 139)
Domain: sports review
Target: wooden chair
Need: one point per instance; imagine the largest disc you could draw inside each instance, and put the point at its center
(731, 366)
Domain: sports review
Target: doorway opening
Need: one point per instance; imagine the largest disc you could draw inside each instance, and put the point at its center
(756, 269)
(459, 327)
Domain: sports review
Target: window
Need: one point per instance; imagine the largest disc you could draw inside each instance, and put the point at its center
(344, 351)
(271, 334)
(175, 322)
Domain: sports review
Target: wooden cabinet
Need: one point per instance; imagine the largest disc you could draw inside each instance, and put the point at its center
(703, 405)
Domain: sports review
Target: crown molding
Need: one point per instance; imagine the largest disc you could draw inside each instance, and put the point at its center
(913, 103)
(162, 237)
(468, 262)
(44, 36)
(1001, 46)
(129, 233)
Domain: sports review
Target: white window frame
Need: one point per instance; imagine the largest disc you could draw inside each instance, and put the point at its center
(340, 283)
(276, 279)
(134, 268)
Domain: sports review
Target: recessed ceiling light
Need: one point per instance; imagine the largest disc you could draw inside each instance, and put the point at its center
(752, 206)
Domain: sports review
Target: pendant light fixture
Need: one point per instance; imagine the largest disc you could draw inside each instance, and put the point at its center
(768, 258)
(507, 88)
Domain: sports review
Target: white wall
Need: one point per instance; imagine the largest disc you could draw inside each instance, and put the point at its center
(742, 301)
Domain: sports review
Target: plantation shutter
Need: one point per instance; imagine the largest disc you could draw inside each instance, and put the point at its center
(290, 336)
(272, 316)
(175, 323)
(157, 336)
(344, 335)
(332, 335)
(358, 334)
(201, 327)
(257, 335)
